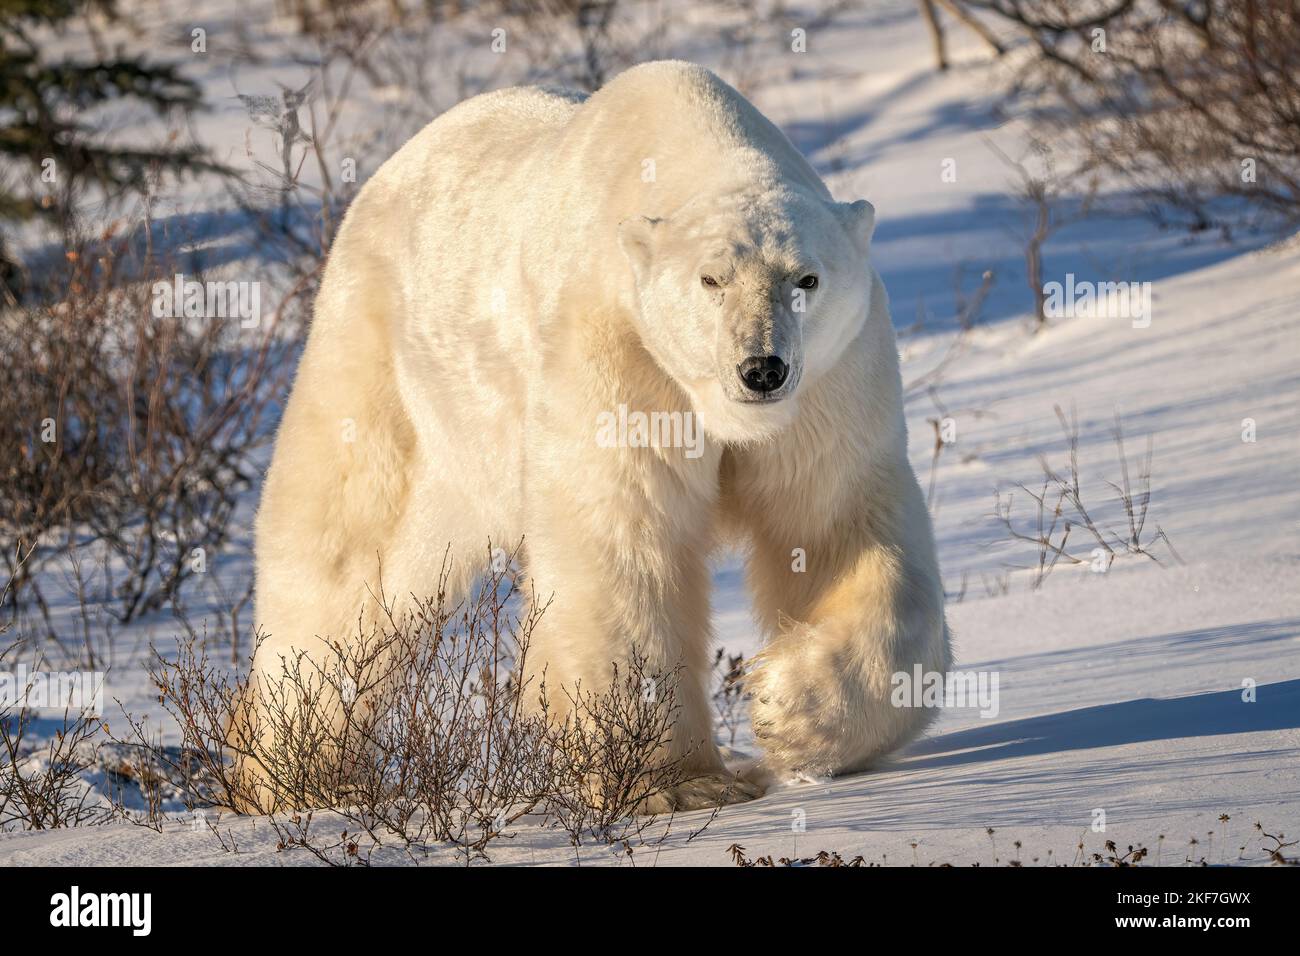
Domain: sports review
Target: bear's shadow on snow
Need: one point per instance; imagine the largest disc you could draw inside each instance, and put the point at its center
(1146, 720)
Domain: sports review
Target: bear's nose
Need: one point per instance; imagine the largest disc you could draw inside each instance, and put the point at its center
(763, 373)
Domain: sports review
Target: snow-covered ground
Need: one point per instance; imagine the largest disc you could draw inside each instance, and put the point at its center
(1122, 694)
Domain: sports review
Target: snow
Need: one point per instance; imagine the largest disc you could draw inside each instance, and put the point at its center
(1120, 691)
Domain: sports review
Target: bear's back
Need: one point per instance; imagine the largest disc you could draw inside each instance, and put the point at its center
(520, 155)
(485, 130)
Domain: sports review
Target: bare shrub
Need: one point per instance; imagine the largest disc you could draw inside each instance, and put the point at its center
(1109, 854)
(609, 754)
(419, 732)
(929, 382)
(42, 787)
(130, 435)
(1274, 852)
(1043, 190)
(729, 697)
(1060, 510)
(296, 203)
(930, 13)
(824, 858)
(302, 831)
(582, 43)
(966, 317)
(1186, 101)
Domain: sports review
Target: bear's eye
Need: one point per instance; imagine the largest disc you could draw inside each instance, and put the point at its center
(709, 282)
(808, 282)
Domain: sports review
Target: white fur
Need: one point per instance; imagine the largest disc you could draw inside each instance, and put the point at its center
(509, 275)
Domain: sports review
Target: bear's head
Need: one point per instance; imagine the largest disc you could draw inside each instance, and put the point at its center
(746, 299)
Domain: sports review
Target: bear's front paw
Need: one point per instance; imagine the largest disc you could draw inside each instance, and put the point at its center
(797, 718)
(701, 793)
(817, 713)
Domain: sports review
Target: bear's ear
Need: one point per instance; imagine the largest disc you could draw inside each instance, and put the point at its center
(637, 237)
(859, 219)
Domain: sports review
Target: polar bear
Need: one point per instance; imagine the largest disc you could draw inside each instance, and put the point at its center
(534, 262)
